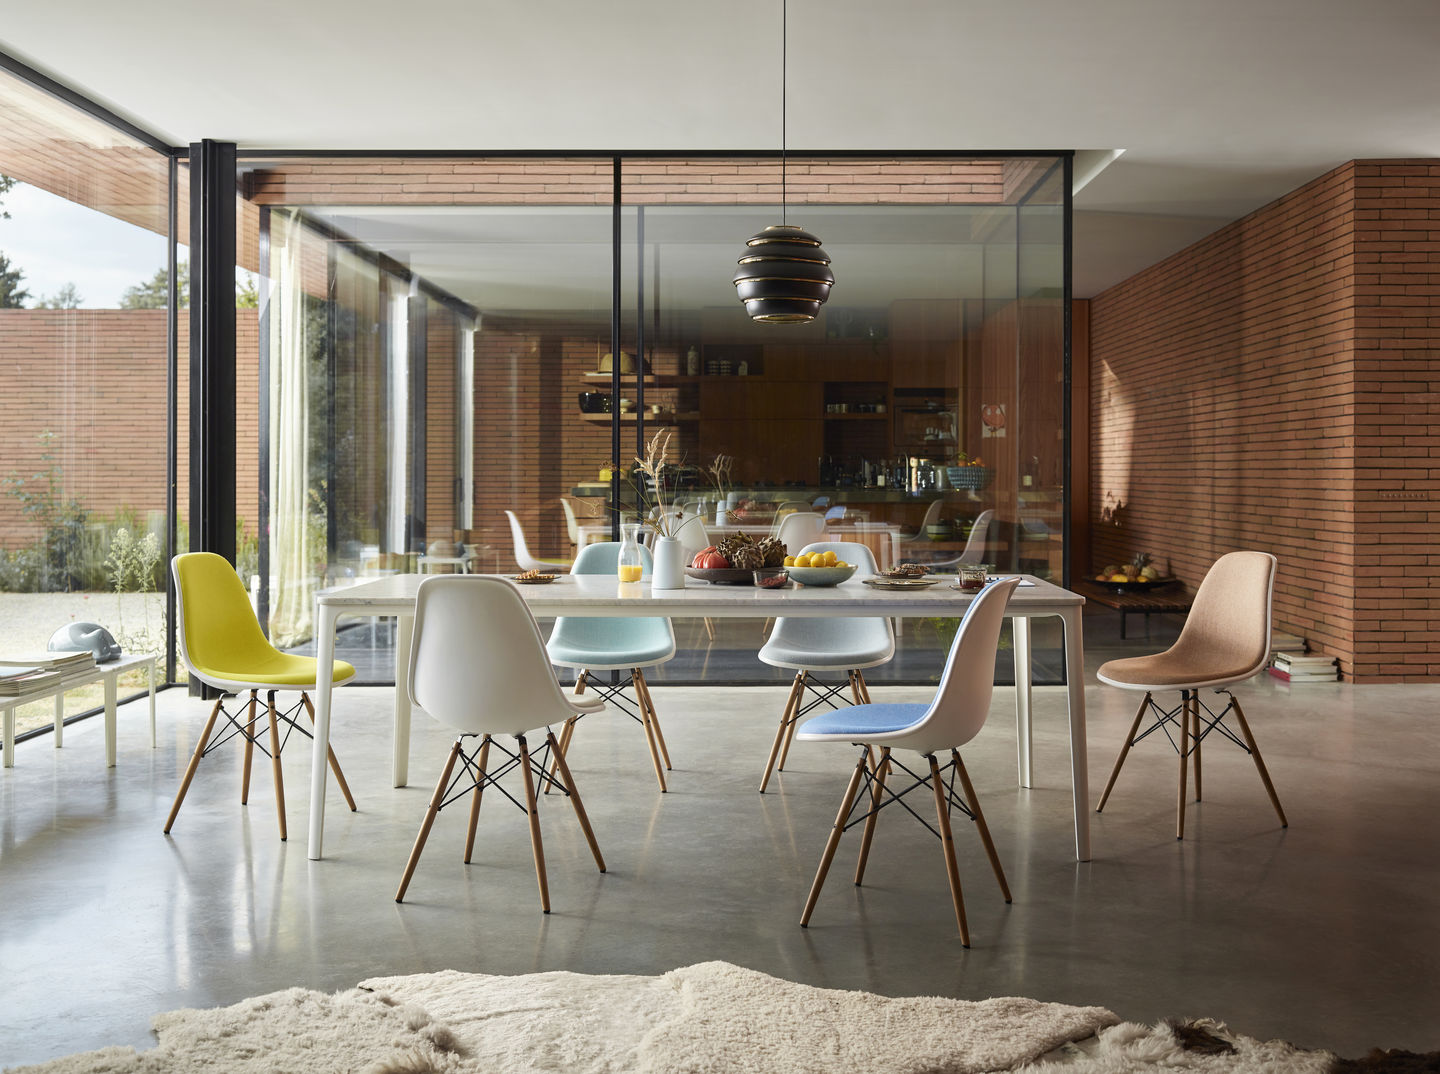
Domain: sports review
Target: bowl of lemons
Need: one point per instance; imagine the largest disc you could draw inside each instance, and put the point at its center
(819, 568)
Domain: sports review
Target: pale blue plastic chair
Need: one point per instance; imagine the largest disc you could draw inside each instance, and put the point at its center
(949, 721)
(620, 644)
(833, 644)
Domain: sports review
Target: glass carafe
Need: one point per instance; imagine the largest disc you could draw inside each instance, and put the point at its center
(630, 566)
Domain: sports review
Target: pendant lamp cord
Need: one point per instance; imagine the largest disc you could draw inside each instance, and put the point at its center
(784, 105)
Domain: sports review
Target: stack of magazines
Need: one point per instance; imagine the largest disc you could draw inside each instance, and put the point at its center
(21, 675)
(1297, 668)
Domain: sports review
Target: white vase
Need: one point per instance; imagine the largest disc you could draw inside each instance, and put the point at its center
(720, 518)
(669, 569)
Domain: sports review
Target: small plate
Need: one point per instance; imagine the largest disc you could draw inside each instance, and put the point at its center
(900, 583)
(544, 579)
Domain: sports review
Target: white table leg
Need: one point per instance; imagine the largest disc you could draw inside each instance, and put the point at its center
(110, 692)
(400, 759)
(324, 690)
(9, 736)
(1020, 632)
(1079, 762)
(152, 702)
(59, 718)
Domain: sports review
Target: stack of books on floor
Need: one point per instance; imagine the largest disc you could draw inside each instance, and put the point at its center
(1296, 668)
(21, 675)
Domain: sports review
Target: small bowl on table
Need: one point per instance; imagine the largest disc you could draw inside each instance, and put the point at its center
(821, 576)
(772, 577)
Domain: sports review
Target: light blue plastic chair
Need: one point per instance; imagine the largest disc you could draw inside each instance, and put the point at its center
(948, 722)
(619, 644)
(833, 644)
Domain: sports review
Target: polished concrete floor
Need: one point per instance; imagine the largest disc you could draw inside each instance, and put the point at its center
(1327, 934)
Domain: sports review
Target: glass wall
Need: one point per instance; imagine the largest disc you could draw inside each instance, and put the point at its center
(440, 337)
(84, 227)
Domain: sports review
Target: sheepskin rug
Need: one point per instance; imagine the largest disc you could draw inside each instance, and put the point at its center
(711, 1018)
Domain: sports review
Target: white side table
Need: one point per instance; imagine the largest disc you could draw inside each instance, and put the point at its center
(109, 674)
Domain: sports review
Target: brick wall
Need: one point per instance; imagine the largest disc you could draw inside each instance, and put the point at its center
(97, 380)
(1272, 387)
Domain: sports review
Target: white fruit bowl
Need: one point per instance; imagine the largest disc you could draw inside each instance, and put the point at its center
(821, 575)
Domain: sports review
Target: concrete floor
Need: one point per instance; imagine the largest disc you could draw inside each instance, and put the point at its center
(1326, 934)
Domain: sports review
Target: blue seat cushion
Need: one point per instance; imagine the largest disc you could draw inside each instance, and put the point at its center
(603, 643)
(860, 722)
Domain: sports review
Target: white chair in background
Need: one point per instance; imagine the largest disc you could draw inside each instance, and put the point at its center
(805, 645)
(524, 559)
(948, 722)
(478, 664)
(800, 529)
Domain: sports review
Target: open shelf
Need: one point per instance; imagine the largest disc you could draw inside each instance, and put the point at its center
(650, 419)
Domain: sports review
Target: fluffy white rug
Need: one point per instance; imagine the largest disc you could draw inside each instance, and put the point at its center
(711, 1018)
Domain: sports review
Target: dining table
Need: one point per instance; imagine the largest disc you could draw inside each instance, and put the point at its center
(605, 596)
(879, 537)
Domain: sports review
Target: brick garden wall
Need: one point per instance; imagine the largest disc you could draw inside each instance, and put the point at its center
(96, 379)
(1273, 387)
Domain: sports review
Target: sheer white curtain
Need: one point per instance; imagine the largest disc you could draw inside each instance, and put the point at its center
(297, 545)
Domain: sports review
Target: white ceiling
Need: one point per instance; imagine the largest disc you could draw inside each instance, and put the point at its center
(1220, 106)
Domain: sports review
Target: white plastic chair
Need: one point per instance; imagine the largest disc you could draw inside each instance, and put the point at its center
(800, 529)
(478, 664)
(952, 719)
(977, 543)
(1225, 640)
(902, 545)
(807, 645)
(591, 644)
(572, 524)
(692, 536)
(524, 559)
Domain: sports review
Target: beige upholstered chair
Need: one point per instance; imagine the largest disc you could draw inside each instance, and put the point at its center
(1225, 640)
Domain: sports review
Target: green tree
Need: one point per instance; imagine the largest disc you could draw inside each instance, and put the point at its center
(12, 295)
(5, 185)
(154, 293)
(247, 294)
(67, 298)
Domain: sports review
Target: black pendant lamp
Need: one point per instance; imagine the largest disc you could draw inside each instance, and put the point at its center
(784, 275)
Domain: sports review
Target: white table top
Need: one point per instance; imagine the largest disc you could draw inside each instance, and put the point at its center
(604, 595)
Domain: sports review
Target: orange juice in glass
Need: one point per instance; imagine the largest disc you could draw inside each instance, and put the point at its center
(629, 565)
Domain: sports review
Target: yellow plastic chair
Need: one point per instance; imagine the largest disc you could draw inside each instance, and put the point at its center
(222, 645)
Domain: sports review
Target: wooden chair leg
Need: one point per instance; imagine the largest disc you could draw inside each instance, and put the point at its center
(532, 807)
(974, 802)
(947, 843)
(249, 748)
(856, 696)
(642, 685)
(877, 796)
(1124, 750)
(330, 753)
(567, 731)
(481, 763)
(780, 732)
(794, 724)
(194, 763)
(834, 840)
(1195, 747)
(648, 724)
(275, 768)
(434, 808)
(864, 687)
(584, 820)
(1184, 763)
(1259, 763)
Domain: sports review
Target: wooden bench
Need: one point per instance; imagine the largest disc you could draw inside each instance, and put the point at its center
(1169, 598)
(109, 674)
